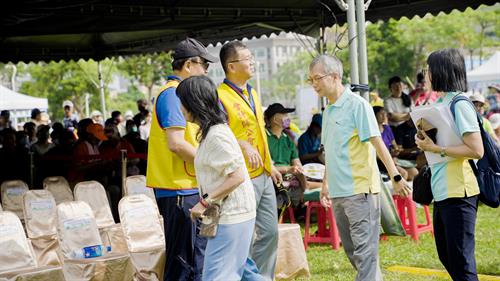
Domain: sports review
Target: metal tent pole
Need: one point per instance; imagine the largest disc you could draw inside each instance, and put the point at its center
(363, 60)
(101, 88)
(353, 46)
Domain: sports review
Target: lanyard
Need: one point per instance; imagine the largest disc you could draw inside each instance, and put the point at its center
(250, 103)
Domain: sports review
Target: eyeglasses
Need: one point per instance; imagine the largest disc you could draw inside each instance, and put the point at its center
(316, 79)
(203, 64)
(250, 58)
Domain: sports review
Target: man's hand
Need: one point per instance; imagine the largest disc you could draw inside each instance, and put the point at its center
(251, 154)
(197, 211)
(296, 170)
(401, 188)
(324, 197)
(276, 175)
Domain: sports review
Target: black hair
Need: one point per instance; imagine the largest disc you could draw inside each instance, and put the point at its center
(420, 77)
(377, 109)
(179, 63)
(404, 97)
(35, 112)
(109, 121)
(447, 71)
(229, 51)
(198, 94)
(115, 114)
(394, 79)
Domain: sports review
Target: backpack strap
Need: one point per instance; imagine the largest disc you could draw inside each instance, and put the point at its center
(454, 101)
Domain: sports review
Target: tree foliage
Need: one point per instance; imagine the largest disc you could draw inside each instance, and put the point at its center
(146, 71)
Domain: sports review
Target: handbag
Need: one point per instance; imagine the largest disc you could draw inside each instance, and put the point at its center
(210, 221)
(422, 191)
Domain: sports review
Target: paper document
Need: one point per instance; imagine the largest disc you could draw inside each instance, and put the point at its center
(439, 116)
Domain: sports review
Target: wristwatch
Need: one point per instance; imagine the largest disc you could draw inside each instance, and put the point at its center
(442, 152)
(397, 178)
(209, 201)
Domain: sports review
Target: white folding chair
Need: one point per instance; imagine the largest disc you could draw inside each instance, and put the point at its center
(41, 215)
(142, 227)
(15, 251)
(82, 247)
(137, 185)
(59, 187)
(12, 196)
(93, 193)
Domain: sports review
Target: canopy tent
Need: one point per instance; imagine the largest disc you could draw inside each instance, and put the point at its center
(20, 105)
(61, 30)
(485, 74)
(10, 100)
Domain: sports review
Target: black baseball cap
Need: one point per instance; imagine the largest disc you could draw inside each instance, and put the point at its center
(276, 108)
(190, 48)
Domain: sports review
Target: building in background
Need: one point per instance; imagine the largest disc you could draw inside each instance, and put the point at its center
(270, 54)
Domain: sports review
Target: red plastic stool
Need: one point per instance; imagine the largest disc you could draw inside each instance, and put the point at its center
(288, 214)
(408, 215)
(324, 234)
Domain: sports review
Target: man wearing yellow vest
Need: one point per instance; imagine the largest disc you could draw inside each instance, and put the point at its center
(245, 117)
(172, 147)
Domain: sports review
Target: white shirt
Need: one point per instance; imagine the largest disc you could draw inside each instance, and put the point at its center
(395, 105)
(218, 156)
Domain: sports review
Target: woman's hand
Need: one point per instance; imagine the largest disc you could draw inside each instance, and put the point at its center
(197, 211)
(426, 144)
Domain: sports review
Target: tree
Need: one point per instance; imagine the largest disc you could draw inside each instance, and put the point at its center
(59, 81)
(148, 71)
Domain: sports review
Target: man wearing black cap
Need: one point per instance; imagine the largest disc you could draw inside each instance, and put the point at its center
(170, 170)
(283, 151)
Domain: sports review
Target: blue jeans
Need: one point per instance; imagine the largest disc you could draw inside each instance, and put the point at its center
(226, 255)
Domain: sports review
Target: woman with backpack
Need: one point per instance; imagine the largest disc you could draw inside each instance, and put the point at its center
(454, 186)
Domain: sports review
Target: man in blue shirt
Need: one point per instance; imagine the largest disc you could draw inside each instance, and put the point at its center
(352, 142)
(310, 150)
(170, 170)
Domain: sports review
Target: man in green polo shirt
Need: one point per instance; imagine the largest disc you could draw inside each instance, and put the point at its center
(282, 148)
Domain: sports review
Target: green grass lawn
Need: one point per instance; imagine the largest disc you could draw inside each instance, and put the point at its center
(327, 264)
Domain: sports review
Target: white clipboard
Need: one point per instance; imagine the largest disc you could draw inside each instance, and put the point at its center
(440, 117)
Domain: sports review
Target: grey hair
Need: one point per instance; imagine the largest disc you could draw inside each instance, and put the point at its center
(330, 64)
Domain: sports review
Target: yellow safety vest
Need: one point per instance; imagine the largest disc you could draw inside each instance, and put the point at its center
(166, 170)
(247, 125)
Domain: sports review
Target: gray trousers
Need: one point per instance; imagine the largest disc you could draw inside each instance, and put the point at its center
(358, 221)
(264, 250)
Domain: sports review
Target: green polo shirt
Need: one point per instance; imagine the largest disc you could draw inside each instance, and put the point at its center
(282, 149)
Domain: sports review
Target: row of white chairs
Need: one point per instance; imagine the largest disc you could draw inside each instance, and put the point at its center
(78, 240)
(12, 192)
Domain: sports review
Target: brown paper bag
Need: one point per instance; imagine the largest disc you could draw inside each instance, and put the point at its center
(292, 258)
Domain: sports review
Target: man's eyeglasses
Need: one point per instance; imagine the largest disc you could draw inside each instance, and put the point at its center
(250, 58)
(203, 64)
(315, 79)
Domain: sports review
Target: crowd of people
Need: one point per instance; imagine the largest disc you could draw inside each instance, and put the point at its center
(215, 160)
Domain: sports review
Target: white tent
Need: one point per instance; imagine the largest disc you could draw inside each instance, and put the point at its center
(11, 100)
(20, 105)
(485, 74)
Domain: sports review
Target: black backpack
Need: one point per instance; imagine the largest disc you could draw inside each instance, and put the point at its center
(487, 169)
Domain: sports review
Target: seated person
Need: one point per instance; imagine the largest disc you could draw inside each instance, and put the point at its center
(283, 151)
(387, 136)
(310, 149)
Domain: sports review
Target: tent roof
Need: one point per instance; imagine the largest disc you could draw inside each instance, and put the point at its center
(11, 100)
(56, 29)
(488, 71)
